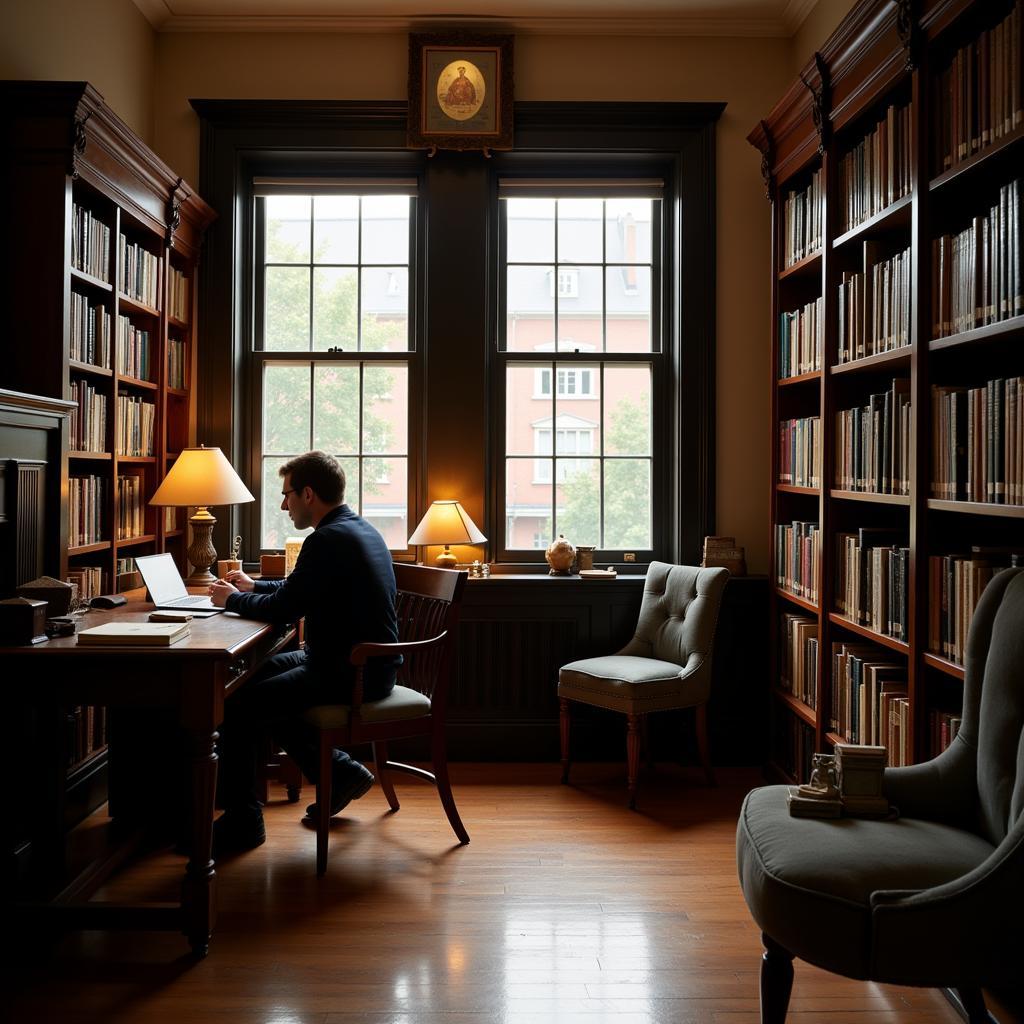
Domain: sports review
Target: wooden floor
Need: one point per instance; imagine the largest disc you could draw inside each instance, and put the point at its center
(566, 907)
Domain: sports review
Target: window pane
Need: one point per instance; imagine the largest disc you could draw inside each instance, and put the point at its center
(628, 230)
(530, 231)
(285, 409)
(336, 408)
(334, 308)
(527, 401)
(287, 239)
(385, 499)
(580, 307)
(579, 230)
(385, 409)
(530, 309)
(527, 506)
(386, 229)
(627, 410)
(627, 503)
(578, 500)
(628, 298)
(385, 326)
(577, 410)
(277, 526)
(336, 229)
(286, 313)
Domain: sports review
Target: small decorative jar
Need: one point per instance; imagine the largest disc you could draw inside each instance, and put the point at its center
(559, 556)
(584, 557)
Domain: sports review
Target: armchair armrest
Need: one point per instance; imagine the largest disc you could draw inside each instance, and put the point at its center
(361, 653)
(942, 789)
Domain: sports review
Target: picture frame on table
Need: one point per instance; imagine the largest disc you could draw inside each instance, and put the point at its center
(460, 91)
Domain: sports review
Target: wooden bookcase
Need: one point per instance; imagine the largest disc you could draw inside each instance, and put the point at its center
(65, 152)
(912, 56)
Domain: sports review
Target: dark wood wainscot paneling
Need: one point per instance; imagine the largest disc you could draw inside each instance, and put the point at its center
(516, 632)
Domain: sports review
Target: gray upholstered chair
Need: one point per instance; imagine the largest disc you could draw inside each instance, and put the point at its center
(933, 898)
(666, 665)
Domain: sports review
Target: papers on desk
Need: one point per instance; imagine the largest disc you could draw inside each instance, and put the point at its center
(133, 634)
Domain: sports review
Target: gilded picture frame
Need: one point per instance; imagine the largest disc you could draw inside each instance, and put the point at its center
(460, 91)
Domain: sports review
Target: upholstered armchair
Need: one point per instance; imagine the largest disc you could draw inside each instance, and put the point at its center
(933, 898)
(667, 664)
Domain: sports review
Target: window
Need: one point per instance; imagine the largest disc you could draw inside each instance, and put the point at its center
(578, 446)
(332, 342)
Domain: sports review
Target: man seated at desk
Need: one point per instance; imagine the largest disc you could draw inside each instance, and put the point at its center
(343, 584)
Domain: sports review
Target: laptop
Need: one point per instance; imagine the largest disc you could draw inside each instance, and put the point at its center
(167, 588)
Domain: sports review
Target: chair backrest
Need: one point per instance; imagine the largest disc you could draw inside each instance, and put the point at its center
(678, 614)
(428, 603)
(993, 710)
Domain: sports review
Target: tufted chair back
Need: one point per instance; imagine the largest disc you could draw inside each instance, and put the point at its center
(678, 616)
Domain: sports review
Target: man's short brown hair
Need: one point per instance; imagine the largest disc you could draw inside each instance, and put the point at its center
(320, 472)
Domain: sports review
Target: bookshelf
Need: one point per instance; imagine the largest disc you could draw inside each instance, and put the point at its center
(99, 289)
(906, 131)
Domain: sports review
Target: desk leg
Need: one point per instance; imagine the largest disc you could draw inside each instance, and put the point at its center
(198, 892)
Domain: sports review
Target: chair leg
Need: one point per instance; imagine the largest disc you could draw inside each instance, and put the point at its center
(632, 756)
(444, 788)
(291, 775)
(380, 757)
(564, 723)
(776, 981)
(702, 743)
(323, 804)
(973, 1002)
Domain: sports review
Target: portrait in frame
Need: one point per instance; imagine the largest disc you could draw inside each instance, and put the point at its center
(460, 91)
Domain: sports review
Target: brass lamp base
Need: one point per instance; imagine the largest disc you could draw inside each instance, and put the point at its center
(201, 552)
(446, 560)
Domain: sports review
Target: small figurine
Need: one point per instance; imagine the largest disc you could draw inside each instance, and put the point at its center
(236, 548)
(824, 780)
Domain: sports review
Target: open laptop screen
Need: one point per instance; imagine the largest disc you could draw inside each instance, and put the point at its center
(162, 578)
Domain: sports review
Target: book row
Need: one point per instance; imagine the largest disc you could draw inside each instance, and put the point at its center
(869, 699)
(873, 443)
(802, 229)
(876, 172)
(88, 579)
(88, 733)
(978, 96)
(86, 497)
(90, 332)
(140, 272)
(872, 570)
(135, 422)
(133, 350)
(88, 426)
(792, 745)
(874, 306)
(177, 295)
(799, 669)
(90, 244)
(978, 442)
(976, 274)
(125, 566)
(800, 452)
(802, 339)
(943, 727)
(131, 517)
(175, 363)
(955, 586)
(797, 554)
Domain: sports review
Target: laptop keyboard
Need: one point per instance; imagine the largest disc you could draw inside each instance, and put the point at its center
(195, 599)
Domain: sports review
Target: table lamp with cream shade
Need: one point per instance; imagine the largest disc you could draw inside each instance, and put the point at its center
(201, 477)
(446, 522)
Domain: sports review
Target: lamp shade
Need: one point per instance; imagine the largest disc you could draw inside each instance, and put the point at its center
(201, 476)
(446, 522)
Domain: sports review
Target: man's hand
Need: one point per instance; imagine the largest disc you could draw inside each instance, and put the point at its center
(220, 591)
(239, 580)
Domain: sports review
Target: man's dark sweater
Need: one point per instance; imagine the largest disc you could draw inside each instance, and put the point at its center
(343, 584)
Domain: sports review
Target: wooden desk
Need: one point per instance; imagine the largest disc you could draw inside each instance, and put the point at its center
(190, 681)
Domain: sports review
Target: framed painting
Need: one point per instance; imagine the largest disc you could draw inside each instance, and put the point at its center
(460, 91)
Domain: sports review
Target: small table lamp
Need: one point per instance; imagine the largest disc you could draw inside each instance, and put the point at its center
(201, 477)
(446, 522)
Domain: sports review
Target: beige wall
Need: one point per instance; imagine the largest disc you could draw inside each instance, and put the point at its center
(106, 42)
(748, 74)
(816, 28)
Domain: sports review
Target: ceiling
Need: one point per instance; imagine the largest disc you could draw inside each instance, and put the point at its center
(579, 17)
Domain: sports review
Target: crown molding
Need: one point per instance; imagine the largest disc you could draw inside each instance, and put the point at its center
(161, 18)
(795, 14)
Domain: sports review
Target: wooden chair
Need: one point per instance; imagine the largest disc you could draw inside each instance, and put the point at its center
(428, 604)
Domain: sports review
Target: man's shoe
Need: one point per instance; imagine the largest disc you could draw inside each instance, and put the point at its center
(234, 831)
(349, 781)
